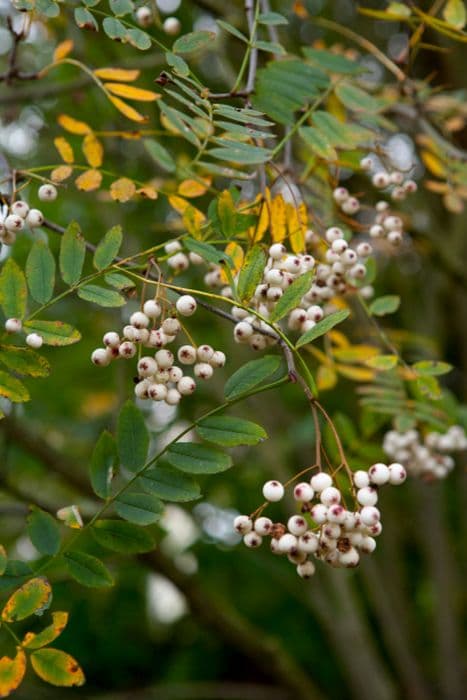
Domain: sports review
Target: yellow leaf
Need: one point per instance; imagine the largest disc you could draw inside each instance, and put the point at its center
(132, 93)
(64, 149)
(193, 219)
(326, 378)
(358, 374)
(256, 233)
(235, 251)
(93, 150)
(11, 672)
(335, 107)
(297, 225)
(122, 74)
(73, 125)
(433, 164)
(338, 338)
(35, 640)
(57, 668)
(63, 49)
(61, 173)
(147, 192)
(278, 221)
(89, 180)
(178, 203)
(436, 186)
(193, 188)
(355, 353)
(126, 110)
(122, 190)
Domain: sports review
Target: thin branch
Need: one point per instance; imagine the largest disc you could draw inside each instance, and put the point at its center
(250, 15)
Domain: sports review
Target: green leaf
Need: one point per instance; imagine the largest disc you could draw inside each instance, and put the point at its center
(181, 123)
(101, 296)
(3, 560)
(270, 47)
(356, 99)
(87, 570)
(119, 280)
(43, 531)
(57, 668)
(24, 361)
(251, 273)
(102, 465)
(385, 305)
(197, 459)
(13, 290)
(178, 64)
(33, 597)
(382, 362)
(119, 536)
(40, 272)
(85, 20)
(208, 252)
(16, 572)
(72, 253)
(108, 248)
(230, 432)
(160, 154)
(251, 375)
(132, 437)
(170, 484)
(121, 7)
(139, 39)
(232, 30)
(12, 671)
(237, 152)
(429, 386)
(114, 28)
(332, 62)
(340, 134)
(194, 41)
(318, 143)
(399, 9)
(12, 389)
(432, 367)
(53, 332)
(40, 639)
(322, 327)
(292, 296)
(272, 18)
(139, 508)
(455, 14)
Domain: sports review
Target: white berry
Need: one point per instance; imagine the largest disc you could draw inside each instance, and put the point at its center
(34, 340)
(273, 491)
(47, 193)
(13, 325)
(186, 305)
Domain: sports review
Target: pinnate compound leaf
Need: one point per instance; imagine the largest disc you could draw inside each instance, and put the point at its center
(230, 432)
(32, 597)
(57, 668)
(88, 570)
(119, 536)
(251, 375)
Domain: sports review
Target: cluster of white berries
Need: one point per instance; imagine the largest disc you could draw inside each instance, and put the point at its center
(325, 529)
(14, 325)
(159, 378)
(19, 216)
(400, 185)
(425, 456)
(387, 225)
(144, 17)
(179, 261)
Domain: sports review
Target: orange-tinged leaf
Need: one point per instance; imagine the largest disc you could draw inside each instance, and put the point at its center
(147, 192)
(278, 220)
(63, 49)
(11, 672)
(35, 641)
(93, 150)
(89, 180)
(433, 164)
(122, 74)
(32, 597)
(193, 219)
(74, 126)
(57, 668)
(326, 378)
(178, 203)
(437, 186)
(131, 92)
(193, 188)
(65, 149)
(122, 190)
(127, 110)
(61, 173)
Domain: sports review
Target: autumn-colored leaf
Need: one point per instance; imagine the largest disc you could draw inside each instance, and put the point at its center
(32, 597)
(61, 173)
(122, 74)
(93, 150)
(132, 93)
(122, 190)
(433, 164)
(296, 217)
(89, 180)
(33, 640)
(11, 672)
(64, 148)
(326, 378)
(57, 668)
(235, 252)
(358, 374)
(127, 110)
(193, 188)
(63, 49)
(147, 192)
(74, 126)
(256, 233)
(278, 220)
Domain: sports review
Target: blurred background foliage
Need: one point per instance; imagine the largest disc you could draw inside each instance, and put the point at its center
(202, 617)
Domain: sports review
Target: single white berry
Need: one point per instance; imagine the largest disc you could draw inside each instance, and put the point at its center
(243, 330)
(171, 326)
(308, 542)
(173, 397)
(367, 496)
(14, 222)
(127, 349)
(139, 320)
(361, 479)
(186, 386)
(157, 392)
(263, 526)
(297, 525)
(330, 495)
(175, 374)
(303, 492)
(333, 233)
(147, 366)
(351, 206)
(34, 218)
(152, 309)
(186, 305)
(217, 359)
(101, 357)
(47, 193)
(141, 389)
(321, 481)
(20, 208)
(350, 558)
(367, 545)
(13, 325)
(369, 515)
(143, 16)
(172, 247)
(178, 262)
(162, 376)
(243, 524)
(397, 474)
(380, 180)
(204, 353)
(340, 194)
(319, 513)
(410, 186)
(376, 231)
(364, 250)
(171, 26)
(315, 313)
(336, 513)
(111, 339)
(379, 474)
(203, 370)
(273, 491)
(306, 570)
(277, 251)
(366, 163)
(34, 340)
(287, 543)
(164, 359)
(394, 238)
(186, 354)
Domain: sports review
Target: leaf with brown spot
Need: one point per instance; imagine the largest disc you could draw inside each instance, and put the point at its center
(122, 190)
(64, 148)
(89, 180)
(93, 150)
(47, 635)
(63, 49)
(61, 173)
(32, 597)
(132, 93)
(57, 668)
(74, 126)
(122, 74)
(193, 188)
(147, 192)
(11, 672)
(128, 111)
